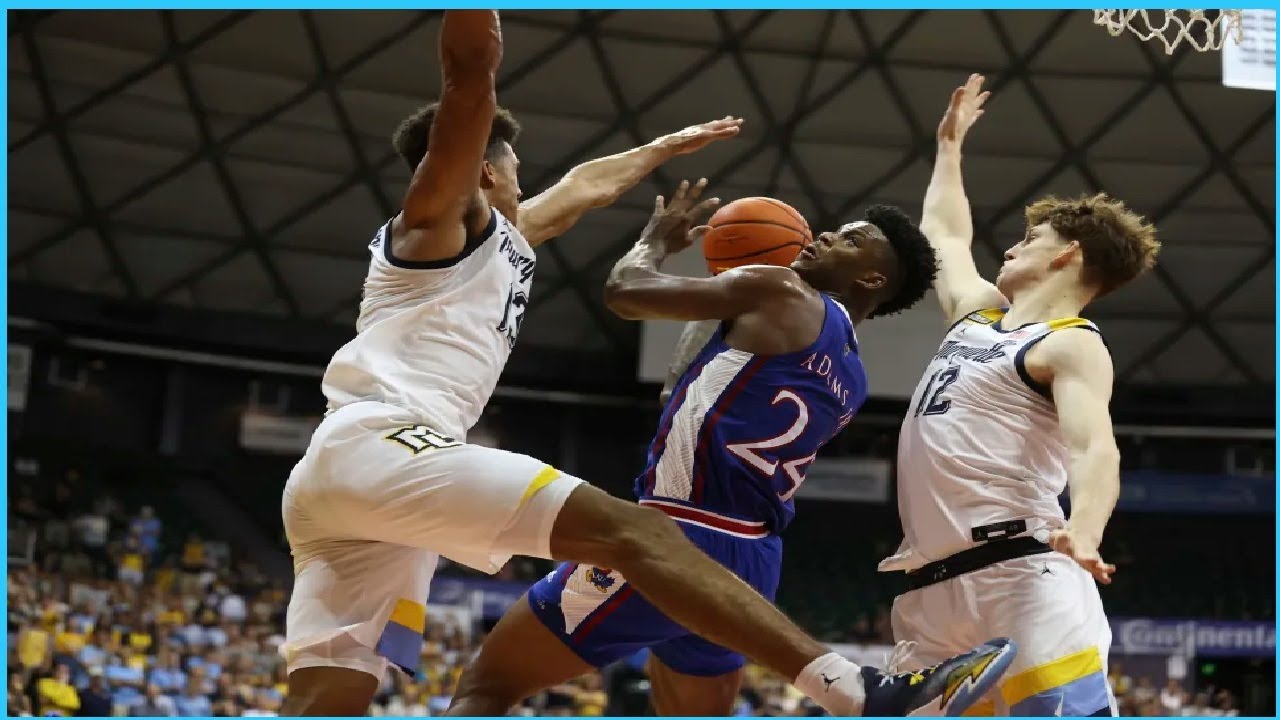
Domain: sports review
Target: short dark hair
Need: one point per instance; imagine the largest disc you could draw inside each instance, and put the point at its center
(410, 138)
(917, 262)
(1117, 243)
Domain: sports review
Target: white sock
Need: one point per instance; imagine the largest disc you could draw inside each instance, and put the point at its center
(834, 683)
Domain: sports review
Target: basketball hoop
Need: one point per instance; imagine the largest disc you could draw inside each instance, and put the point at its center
(1197, 28)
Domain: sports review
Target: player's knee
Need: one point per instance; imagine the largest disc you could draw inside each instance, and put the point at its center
(640, 534)
(329, 691)
(598, 529)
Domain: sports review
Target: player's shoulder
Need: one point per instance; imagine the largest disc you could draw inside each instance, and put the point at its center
(1074, 345)
(766, 278)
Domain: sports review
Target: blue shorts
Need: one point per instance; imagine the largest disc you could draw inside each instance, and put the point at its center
(600, 616)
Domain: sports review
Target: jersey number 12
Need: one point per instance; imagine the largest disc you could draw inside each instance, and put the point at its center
(931, 400)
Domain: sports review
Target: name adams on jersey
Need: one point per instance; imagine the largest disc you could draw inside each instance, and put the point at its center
(740, 430)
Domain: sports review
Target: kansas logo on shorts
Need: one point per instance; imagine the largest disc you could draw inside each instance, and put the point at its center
(601, 579)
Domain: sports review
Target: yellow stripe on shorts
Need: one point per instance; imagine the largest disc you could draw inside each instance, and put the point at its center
(983, 708)
(541, 480)
(1050, 675)
(410, 614)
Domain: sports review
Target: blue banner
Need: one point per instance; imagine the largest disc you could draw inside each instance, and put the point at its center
(1162, 492)
(495, 595)
(1196, 638)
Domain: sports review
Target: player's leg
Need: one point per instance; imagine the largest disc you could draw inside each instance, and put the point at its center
(1053, 610)
(576, 619)
(357, 608)
(711, 692)
(931, 624)
(358, 605)
(701, 595)
(517, 660)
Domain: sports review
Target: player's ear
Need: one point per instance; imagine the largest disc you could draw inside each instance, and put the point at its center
(1066, 255)
(488, 176)
(872, 280)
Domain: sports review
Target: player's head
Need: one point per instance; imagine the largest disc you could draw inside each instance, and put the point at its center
(1092, 241)
(880, 265)
(498, 176)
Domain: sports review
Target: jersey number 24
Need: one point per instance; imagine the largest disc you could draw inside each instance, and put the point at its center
(792, 470)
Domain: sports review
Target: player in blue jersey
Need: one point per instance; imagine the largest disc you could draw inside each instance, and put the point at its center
(778, 379)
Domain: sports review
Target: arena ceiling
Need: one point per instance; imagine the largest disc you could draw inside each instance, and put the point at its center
(239, 161)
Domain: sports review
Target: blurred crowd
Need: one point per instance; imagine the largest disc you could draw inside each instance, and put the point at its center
(111, 612)
(1142, 698)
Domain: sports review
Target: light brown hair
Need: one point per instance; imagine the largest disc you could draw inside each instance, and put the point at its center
(1117, 244)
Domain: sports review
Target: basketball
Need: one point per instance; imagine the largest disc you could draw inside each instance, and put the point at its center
(754, 231)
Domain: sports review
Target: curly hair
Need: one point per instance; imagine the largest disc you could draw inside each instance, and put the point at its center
(917, 262)
(410, 138)
(1117, 244)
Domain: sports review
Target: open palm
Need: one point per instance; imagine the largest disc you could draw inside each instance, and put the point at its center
(963, 111)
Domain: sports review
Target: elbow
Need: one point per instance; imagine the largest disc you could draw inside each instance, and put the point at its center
(617, 299)
(1106, 452)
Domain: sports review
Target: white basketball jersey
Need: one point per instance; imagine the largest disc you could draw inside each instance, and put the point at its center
(980, 444)
(432, 337)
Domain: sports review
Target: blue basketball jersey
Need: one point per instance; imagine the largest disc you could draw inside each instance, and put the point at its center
(740, 430)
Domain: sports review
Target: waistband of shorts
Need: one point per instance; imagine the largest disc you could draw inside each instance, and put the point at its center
(975, 558)
(747, 529)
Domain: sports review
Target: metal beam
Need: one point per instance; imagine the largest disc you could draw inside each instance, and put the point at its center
(220, 145)
(612, 251)
(1077, 158)
(91, 214)
(772, 129)
(786, 139)
(159, 63)
(510, 78)
(218, 159)
(1200, 316)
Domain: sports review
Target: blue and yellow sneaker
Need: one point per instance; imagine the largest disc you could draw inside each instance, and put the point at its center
(946, 689)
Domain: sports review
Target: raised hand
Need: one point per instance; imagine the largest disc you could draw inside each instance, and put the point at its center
(963, 111)
(696, 137)
(672, 225)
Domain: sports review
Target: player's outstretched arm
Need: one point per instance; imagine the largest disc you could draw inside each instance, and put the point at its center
(1082, 376)
(638, 290)
(946, 219)
(602, 181)
(443, 203)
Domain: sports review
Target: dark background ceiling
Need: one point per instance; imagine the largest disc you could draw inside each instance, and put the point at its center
(239, 162)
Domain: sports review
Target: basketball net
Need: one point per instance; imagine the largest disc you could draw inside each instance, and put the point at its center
(1174, 27)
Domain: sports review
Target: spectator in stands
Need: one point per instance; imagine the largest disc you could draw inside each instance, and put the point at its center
(1224, 702)
(1199, 707)
(1120, 683)
(1145, 692)
(147, 528)
(131, 563)
(95, 700)
(193, 702)
(154, 704)
(57, 696)
(1172, 698)
(19, 702)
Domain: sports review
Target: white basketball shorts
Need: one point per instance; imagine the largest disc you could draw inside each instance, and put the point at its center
(368, 511)
(1047, 604)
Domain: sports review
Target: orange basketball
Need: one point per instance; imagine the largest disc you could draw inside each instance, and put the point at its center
(754, 231)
